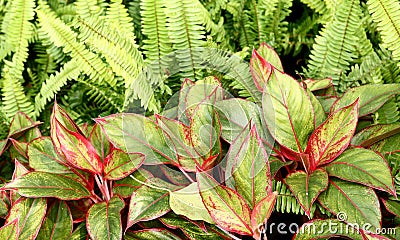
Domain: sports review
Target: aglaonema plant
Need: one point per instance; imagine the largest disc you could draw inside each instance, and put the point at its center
(207, 166)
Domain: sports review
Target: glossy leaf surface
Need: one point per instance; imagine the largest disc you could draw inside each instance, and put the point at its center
(118, 164)
(57, 223)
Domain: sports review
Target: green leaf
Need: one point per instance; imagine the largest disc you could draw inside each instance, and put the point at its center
(374, 133)
(356, 204)
(30, 214)
(319, 229)
(288, 111)
(392, 206)
(261, 213)
(9, 231)
(275, 164)
(147, 204)
(269, 54)
(187, 202)
(126, 186)
(226, 207)
(118, 164)
(42, 184)
(80, 232)
(58, 222)
(363, 166)
(314, 85)
(260, 69)
(151, 234)
(319, 112)
(307, 187)
(99, 141)
(43, 157)
(103, 219)
(372, 97)
(146, 137)
(20, 124)
(247, 164)
(333, 136)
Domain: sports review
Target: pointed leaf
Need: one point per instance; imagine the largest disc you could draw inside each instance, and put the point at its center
(42, 184)
(77, 150)
(104, 220)
(260, 69)
(270, 55)
(261, 213)
(356, 204)
(363, 166)
(119, 164)
(333, 136)
(319, 112)
(372, 97)
(314, 85)
(226, 207)
(392, 206)
(145, 137)
(20, 124)
(247, 164)
(99, 141)
(30, 214)
(375, 133)
(326, 229)
(151, 234)
(275, 164)
(9, 231)
(43, 157)
(288, 111)
(57, 224)
(126, 186)
(147, 204)
(187, 202)
(307, 187)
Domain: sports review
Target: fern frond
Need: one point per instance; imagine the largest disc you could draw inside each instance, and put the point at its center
(14, 98)
(88, 8)
(62, 36)
(317, 5)
(335, 48)
(134, 12)
(53, 84)
(186, 33)
(117, 16)
(119, 51)
(390, 70)
(17, 28)
(4, 124)
(388, 113)
(386, 14)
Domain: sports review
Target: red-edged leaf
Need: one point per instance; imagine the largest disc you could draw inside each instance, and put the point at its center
(126, 186)
(307, 187)
(393, 206)
(58, 222)
(375, 133)
(147, 204)
(21, 147)
(151, 233)
(19, 170)
(326, 229)
(226, 207)
(314, 84)
(29, 213)
(333, 136)
(119, 164)
(9, 231)
(99, 141)
(261, 212)
(42, 184)
(260, 70)
(103, 220)
(270, 55)
(20, 124)
(288, 111)
(247, 164)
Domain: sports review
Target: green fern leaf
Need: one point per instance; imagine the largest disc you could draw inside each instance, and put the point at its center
(89, 8)
(386, 14)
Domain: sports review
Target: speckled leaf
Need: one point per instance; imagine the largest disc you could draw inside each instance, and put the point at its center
(247, 164)
(9, 231)
(136, 133)
(126, 186)
(275, 164)
(43, 157)
(80, 232)
(269, 54)
(99, 141)
(333, 136)
(359, 204)
(42, 184)
(392, 206)
(363, 166)
(226, 207)
(151, 234)
(147, 204)
(314, 84)
(20, 124)
(19, 170)
(119, 164)
(20, 147)
(319, 229)
(103, 220)
(375, 133)
(261, 213)
(307, 187)
(77, 150)
(29, 214)
(187, 202)
(288, 111)
(372, 97)
(260, 69)
(57, 224)
(319, 113)
(3, 204)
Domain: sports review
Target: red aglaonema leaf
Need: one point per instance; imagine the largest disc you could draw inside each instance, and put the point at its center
(260, 70)
(333, 136)
(119, 164)
(9, 231)
(261, 212)
(226, 207)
